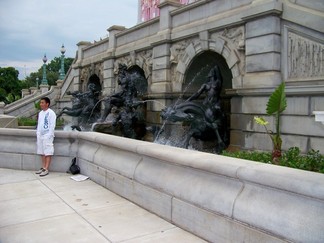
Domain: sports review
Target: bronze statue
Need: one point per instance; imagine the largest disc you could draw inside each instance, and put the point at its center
(206, 120)
(84, 106)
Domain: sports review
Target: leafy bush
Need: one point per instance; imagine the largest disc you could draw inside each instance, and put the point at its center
(312, 161)
(27, 121)
(264, 157)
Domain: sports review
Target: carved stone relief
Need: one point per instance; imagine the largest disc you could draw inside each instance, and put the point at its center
(177, 51)
(84, 73)
(144, 60)
(305, 57)
(236, 35)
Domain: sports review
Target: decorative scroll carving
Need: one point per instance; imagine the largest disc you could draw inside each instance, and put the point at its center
(85, 73)
(305, 57)
(144, 60)
(177, 50)
(236, 35)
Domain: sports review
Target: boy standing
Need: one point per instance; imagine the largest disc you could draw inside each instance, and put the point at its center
(45, 135)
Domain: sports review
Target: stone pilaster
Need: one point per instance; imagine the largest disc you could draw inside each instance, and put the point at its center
(263, 45)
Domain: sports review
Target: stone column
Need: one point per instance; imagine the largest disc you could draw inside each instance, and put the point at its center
(161, 51)
(43, 88)
(77, 66)
(263, 45)
(109, 83)
(24, 92)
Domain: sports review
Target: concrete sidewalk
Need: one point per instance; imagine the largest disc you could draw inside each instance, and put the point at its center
(56, 208)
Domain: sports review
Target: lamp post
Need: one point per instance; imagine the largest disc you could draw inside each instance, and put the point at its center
(44, 80)
(62, 73)
(37, 83)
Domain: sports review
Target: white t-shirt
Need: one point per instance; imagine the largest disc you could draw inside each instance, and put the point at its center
(46, 123)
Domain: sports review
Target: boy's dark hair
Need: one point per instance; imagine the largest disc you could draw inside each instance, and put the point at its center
(47, 100)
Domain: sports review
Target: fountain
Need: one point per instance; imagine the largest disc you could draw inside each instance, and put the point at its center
(204, 120)
(122, 114)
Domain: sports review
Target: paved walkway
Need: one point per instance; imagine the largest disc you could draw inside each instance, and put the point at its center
(56, 208)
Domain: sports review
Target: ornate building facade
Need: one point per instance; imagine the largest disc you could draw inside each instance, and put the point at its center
(149, 9)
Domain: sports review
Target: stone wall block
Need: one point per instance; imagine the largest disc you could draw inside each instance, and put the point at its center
(161, 63)
(254, 105)
(289, 141)
(237, 139)
(236, 104)
(24, 144)
(263, 62)
(214, 228)
(108, 64)
(262, 79)
(87, 150)
(317, 103)
(317, 144)
(263, 44)
(297, 106)
(263, 26)
(301, 125)
(32, 162)
(161, 50)
(95, 172)
(116, 162)
(161, 87)
(108, 74)
(160, 76)
(152, 200)
(236, 121)
(248, 208)
(10, 160)
(163, 177)
(257, 141)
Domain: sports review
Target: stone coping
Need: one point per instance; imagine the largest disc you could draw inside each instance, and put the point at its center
(215, 197)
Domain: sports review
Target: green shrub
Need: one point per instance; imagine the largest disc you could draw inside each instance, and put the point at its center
(27, 121)
(312, 161)
(264, 157)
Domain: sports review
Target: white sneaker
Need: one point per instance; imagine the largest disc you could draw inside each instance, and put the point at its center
(44, 173)
(39, 171)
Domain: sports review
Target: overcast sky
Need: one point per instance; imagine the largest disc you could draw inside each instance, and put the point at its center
(31, 28)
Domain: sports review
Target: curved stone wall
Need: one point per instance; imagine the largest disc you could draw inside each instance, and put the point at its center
(218, 198)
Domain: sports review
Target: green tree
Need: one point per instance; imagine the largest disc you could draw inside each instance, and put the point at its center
(10, 85)
(52, 72)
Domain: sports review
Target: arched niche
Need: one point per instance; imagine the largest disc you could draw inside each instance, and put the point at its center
(94, 79)
(197, 71)
(140, 81)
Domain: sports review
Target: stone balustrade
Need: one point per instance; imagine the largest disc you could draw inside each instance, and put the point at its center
(218, 198)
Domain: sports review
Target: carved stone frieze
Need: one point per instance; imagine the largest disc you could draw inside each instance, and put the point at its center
(144, 60)
(177, 51)
(305, 57)
(85, 71)
(237, 37)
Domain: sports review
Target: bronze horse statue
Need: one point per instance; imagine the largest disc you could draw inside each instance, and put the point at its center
(206, 120)
(200, 126)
